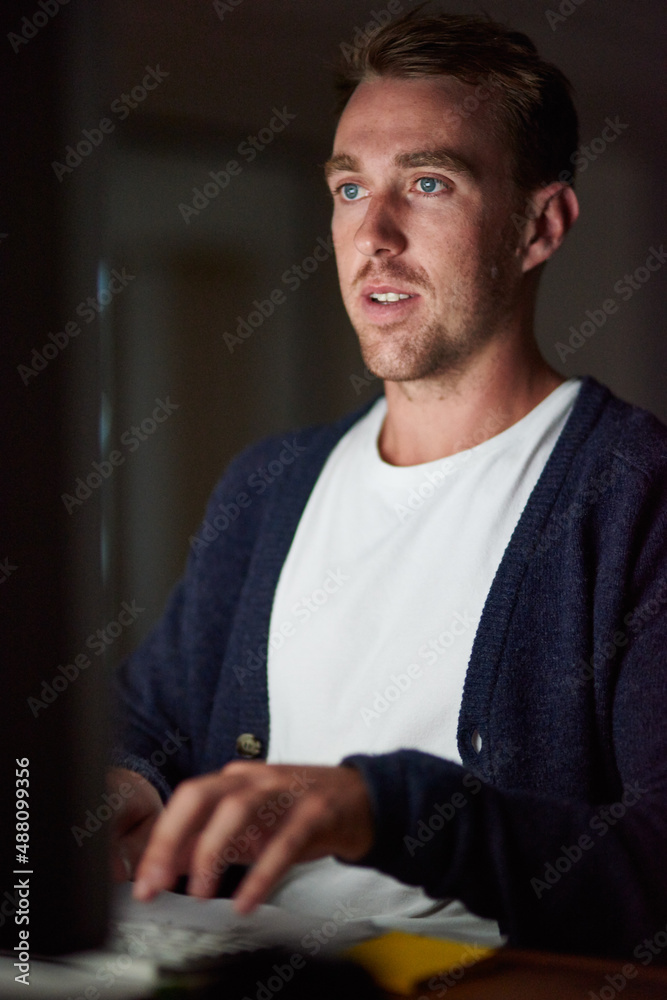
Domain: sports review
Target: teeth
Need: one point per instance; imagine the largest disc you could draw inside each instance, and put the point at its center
(388, 296)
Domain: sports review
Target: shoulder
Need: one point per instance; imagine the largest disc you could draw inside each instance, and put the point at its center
(294, 450)
(272, 480)
(614, 495)
(618, 432)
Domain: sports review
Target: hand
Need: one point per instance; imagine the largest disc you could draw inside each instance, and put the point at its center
(268, 815)
(134, 820)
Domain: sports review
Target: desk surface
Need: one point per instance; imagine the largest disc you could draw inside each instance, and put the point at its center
(507, 975)
(524, 975)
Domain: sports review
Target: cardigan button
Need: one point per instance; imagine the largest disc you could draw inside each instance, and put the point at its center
(247, 745)
(476, 740)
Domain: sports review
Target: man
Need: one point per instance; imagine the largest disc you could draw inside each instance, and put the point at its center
(474, 568)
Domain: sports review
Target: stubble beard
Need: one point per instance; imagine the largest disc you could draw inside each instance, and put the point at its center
(398, 353)
(436, 348)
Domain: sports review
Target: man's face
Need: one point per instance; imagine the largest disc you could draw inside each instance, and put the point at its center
(425, 246)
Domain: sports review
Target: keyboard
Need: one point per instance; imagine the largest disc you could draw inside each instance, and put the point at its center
(176, 947)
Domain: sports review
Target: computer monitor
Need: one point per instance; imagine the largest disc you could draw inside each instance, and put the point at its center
(53, 884)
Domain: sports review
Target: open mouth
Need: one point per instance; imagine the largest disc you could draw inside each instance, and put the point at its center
(389, 296)
(384, 294)
(382, 303)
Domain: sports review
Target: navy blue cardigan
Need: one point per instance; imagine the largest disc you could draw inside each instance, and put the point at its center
(556, 824)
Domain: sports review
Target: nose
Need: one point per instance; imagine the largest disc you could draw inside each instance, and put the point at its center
(380, 234)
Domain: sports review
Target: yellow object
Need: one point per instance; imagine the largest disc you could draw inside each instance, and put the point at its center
(398, 961)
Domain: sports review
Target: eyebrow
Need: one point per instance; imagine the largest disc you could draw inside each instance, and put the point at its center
(440, 157)
(339, 162)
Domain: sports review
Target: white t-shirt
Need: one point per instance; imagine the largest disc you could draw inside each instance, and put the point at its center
(376, 611)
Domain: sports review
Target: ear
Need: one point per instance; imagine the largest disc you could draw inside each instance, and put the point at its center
(550, 212)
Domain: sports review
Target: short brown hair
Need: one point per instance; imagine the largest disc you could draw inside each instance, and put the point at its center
(532, 102)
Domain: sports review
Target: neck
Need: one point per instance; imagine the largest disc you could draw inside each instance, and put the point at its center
(448, 413)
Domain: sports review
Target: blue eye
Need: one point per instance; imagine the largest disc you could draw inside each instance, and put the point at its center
(428, 185)
(350, 191)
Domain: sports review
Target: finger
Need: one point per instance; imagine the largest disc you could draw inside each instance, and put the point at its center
(296, 840)
(140, 800)
(121, 867)
(173, 833)
(129, 848)
(217, 847)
